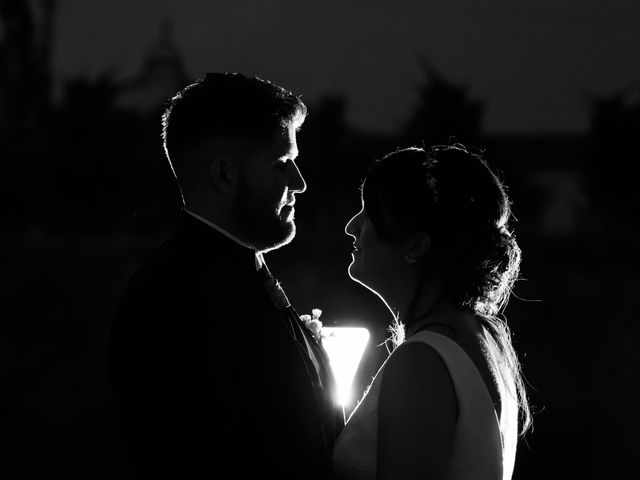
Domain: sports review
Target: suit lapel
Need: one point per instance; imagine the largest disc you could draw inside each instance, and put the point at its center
(314, 358)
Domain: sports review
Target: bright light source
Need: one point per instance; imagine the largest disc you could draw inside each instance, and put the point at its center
(344, 346)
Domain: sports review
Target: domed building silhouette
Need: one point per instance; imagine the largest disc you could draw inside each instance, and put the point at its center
(161, 76)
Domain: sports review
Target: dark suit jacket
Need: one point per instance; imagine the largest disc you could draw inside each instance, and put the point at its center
(205, 373)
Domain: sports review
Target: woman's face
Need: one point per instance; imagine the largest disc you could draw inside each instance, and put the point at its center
(374, 261)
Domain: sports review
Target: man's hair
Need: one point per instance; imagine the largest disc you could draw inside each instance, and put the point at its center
(227, 105)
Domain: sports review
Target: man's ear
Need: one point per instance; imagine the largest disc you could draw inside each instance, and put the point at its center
(223, 174)
(417, 247)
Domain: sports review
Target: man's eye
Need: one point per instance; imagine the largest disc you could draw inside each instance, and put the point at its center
(282, 165)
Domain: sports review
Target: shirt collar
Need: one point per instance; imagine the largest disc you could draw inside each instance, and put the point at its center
(258, 255)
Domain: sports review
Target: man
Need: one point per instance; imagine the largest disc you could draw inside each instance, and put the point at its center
(210, 367)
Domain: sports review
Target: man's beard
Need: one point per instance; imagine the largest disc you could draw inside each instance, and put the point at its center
(259, 222)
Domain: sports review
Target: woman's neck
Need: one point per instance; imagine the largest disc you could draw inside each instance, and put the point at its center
(421, 309)
(421, 298)
(413, 299)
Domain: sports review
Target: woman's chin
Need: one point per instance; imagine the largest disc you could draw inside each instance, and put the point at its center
(352, 271)
(356, 276)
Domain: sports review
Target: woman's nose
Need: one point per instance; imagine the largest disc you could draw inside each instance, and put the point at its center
(353, 226)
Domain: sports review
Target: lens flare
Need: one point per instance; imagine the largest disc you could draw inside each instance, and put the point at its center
(345, 347)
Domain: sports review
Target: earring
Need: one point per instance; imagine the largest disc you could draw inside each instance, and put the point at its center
(409, 260)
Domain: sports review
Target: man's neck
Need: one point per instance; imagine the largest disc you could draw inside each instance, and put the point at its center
(229, 235)
(217, 226)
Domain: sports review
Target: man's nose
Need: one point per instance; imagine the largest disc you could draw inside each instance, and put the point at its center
(296, 181)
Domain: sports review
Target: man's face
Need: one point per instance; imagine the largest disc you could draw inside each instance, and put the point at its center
(267, 183)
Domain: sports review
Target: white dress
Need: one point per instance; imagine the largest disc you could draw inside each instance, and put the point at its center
(484, 446)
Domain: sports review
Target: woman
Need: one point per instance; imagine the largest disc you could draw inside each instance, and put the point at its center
(432, 241)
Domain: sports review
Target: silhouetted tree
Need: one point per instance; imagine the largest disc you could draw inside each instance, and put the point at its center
(90, 176)
(26, 30)
(613, 135)
(85, 99)
(616, 116)
(443, 110)
(613, 268)
(25, 45)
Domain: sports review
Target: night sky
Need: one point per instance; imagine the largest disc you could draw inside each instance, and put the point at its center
(533, 63)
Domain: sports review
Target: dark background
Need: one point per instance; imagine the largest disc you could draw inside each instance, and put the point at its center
(87, 194)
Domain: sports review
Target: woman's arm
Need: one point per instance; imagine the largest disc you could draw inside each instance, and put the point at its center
(417, 413)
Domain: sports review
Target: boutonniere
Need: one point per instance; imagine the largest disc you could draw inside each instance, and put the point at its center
(313, 323)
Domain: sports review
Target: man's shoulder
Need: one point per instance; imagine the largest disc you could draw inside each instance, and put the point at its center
(195, 268)
(175, 287)
(178, 266)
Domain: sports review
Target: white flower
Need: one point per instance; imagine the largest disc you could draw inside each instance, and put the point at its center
(313, 323)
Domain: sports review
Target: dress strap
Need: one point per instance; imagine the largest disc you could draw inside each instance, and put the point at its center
(478, 422)
(464, 373)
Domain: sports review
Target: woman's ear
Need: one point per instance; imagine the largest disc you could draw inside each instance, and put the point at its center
(417, 247)
(223, 174)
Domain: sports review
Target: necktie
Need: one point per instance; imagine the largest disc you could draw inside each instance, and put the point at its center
(281, 302)
(289, 315)
(273, 288)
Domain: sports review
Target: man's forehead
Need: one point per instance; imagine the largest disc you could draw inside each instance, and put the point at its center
(287, 144)
(277, 145)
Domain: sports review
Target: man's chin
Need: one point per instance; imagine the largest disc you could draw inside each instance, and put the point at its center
(285, 236)
(286, 213)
